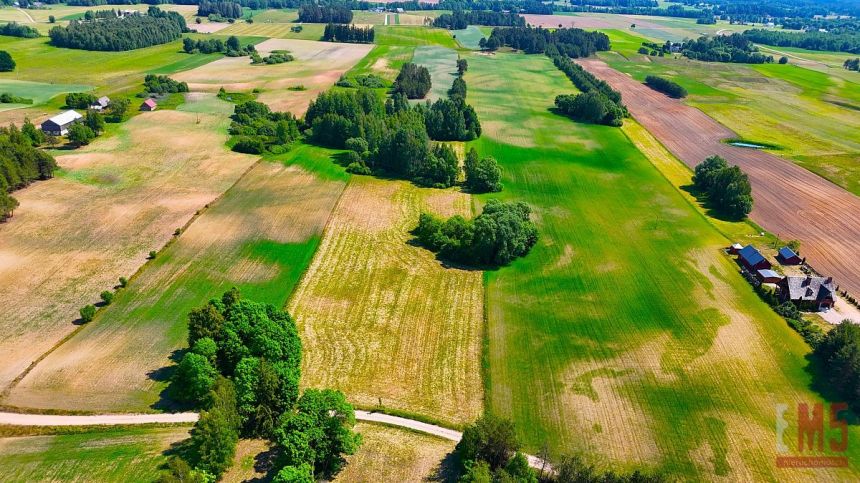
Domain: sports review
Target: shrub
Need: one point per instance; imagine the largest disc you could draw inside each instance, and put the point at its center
(152, 254)
(88, 312)
(107, 297)
(123, 282)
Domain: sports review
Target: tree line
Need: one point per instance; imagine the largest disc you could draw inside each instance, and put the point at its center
(348, 33)
(597, 103)
(735, 48)
(334, 13)
(225, 9)
(14, 29)
(811, 40)
(21, 163)
(460, 19)
(852, 64)
(666, 86)
(258, 130)
(726, 188)
(162, 84)
(119, 34)
(413, 81)
(231, 48)
(571, 42)
(242, 369)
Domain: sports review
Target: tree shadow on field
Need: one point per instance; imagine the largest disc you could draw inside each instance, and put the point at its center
(265, 462)
(165, 374)
(710, 209)
(447, 263)
(447, 471)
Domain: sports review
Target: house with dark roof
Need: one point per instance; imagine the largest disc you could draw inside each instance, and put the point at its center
(752, 259)
(768, 276)
(148, 105)
(59, 124)
(786, 256)
(808, 293)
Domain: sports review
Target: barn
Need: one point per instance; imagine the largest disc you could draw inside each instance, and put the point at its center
(786, 256)
(148, 105)
(808, 293)
(59, 124)
(752, 259)
(768, 276)
(101, 103)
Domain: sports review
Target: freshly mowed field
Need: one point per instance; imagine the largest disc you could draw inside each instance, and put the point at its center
(813, 116)
(259, 236)
(442, 64)
(392, 454)
(625, 334)
(469, 37)
(414, 36)
(97, 455)
(112, 202)
(382, 319)
(318, 66)
(276, 30)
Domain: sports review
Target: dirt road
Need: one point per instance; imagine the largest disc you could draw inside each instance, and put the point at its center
(20, 419)
(789, 200)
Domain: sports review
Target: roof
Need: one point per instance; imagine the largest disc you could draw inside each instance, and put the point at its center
(787, 253)
(751, 255)
(737, 246)
(150, 103)
(102, 101)
(769, 274)
(809, 288)
(65, 118)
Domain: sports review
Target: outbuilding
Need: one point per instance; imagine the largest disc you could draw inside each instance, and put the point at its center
(786, 256)
(148, 105)
(735, 248)
(101, 103)
(752, 259)
(59, 124)
(768, 276)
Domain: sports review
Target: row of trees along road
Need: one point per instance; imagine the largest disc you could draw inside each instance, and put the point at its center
(243, 370)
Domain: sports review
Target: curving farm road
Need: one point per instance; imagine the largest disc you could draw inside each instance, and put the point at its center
(789, 201)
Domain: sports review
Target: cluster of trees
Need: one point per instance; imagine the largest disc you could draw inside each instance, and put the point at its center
(483, 175)
(232, 47)
(371, 81)
(597, 103)
(666, 86)
(84, 132)
(116, 34)
(727, 188)
(80, 100)
(813, 40)
(314, 13)
(21, 163)
(839, 353)
(501, 233)
(570, 42)
(460, 19)
(452, 119)
(14, 29)
(259, 130)
(852, 64)
(653, 48)
(7, 63)
(413, 81)
(243, 370)
(225, 9)
(735, 48)
(161, 84)
(348, 33)
(275, 57)
(7, 98)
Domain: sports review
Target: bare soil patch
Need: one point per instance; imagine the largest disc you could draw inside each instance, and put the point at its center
(789, 200)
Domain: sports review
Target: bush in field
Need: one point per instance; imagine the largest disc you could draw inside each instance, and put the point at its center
(670, 88)
(88, 312)
(7, 64)
(107, 297)
(483, 175)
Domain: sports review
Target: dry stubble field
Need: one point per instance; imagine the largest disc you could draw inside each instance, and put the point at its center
(383, 319)
(318, 66)
(113, 202)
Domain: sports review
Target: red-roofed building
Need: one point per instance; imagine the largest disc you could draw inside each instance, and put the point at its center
(148, 105)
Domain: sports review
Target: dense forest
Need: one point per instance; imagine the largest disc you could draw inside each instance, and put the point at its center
(348, 33)
(13, 29)
(666, 86)
(21, 163)
(460, 19)
(258, 130)
(334, 13)
(116, 34)
(570, 42)
(413, 81)
(726, 188)
(735, 48)
(225, 9)
(847, 42)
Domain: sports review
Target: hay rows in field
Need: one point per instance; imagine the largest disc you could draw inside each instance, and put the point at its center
(381, 318)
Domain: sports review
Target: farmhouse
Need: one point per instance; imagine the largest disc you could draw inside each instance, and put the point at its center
(786, 256)
(59, 124)
(808, 293)
(148, 105)
(752, 260)
(768, 276)
(101, 103)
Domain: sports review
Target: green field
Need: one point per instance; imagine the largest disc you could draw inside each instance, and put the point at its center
(442, 64)
(470, 37)
(94, 455)
(813, 116)
(384, 61)
(643, 343)
(40, 92)
(414, 36)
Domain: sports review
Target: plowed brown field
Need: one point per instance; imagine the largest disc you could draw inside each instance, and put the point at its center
(789, 200)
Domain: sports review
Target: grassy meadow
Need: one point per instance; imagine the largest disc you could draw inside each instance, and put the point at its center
(625, 334)
(413, 36)
(442, 64)
(470, 37)
(812, 116)
(127, 454)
